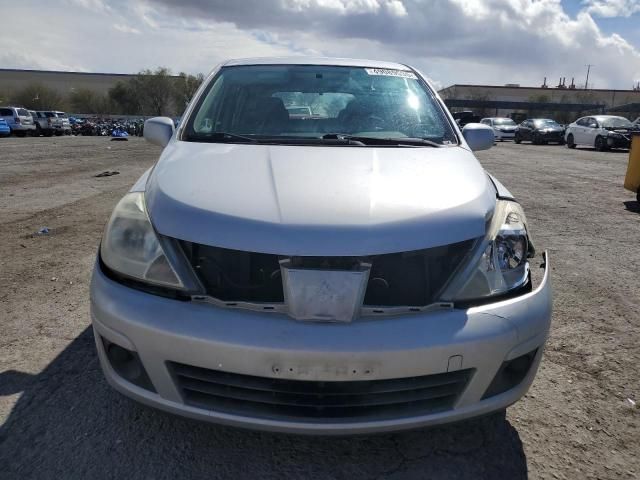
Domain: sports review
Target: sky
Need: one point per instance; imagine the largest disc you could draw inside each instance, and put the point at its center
(450, 41)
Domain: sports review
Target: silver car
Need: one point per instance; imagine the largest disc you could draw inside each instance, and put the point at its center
(19, 120)
(352, 271)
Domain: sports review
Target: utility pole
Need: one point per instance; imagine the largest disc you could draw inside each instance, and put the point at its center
(586, 83)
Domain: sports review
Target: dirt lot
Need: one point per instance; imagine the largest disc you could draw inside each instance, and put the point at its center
(61, 420)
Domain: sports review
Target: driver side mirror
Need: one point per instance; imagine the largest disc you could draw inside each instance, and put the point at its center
(158, 130)
(478, 136)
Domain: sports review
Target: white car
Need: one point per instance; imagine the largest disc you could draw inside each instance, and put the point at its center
(601, 132)
(503, 128)
(352, 272)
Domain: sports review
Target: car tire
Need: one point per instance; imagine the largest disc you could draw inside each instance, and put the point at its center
(570, 142)
(599, 144)
(38, 131)
(517, 139)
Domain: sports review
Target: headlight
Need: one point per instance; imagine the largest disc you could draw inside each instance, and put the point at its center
(130, 246)
(500, 264)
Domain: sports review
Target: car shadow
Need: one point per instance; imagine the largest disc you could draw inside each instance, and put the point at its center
(68, 423)
(632, 206)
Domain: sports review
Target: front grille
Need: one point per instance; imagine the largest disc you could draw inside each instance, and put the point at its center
(270, 398)
(411, 278)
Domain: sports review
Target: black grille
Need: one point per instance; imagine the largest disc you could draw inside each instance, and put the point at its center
(261, 397)
(411, 278)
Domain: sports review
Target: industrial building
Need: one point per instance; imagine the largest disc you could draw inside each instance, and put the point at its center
(515, 101)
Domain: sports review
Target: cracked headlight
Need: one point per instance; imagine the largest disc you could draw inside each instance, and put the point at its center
(500, 264)
(130, 246)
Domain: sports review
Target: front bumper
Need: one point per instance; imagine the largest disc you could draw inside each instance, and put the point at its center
(552, 136)
(504, 135)
(618, 142)
(273, 346)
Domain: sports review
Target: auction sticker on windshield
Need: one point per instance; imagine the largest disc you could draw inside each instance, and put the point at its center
(391, 73)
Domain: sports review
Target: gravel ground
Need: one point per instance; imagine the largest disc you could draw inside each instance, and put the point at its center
(61, 420)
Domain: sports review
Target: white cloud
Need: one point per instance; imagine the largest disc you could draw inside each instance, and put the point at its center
(126, 29)
(451, 41)
(612, 8)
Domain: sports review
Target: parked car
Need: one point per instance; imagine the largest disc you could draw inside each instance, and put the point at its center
(5, 131)
(343, 274)
(65, 125)
(19, 120)
(464, 117)
(600, 131)
(539, 131)
(636, 122)
(503, 128)
(44, 122)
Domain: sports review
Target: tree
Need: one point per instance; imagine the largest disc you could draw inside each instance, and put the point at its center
(155, 89)
(125, 98)
(84, 100)
(185, 88)
(36, 96)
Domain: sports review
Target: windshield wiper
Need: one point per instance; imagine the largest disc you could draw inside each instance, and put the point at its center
(406, 141)
(221, 137)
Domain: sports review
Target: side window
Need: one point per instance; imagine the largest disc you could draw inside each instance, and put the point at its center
(582, 122)
(6, 112)
(592, 122)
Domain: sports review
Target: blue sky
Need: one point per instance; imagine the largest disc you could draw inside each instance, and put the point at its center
(451, 41)
(627, 27)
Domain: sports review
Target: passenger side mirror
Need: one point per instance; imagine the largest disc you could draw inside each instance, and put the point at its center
(593, 125)
(158, 130)
(478, 136)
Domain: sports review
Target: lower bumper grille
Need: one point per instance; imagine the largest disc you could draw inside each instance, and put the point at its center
(310, 401)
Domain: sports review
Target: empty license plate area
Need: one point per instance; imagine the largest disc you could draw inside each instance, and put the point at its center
(324, 295)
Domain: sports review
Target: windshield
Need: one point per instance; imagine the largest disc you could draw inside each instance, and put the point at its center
(615, 122)
(545, 122)
(279, 103)
(504, 121)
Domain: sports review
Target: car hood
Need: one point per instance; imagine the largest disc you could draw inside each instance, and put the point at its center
(318, 200)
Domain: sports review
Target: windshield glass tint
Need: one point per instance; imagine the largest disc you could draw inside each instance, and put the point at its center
(504, 122)
(300, 101)
(615, 122)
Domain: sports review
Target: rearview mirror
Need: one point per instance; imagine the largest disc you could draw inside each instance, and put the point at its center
(478, 136)
(158, 130)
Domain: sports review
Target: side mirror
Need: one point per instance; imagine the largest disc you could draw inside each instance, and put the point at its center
(478, 136)
(158, 130)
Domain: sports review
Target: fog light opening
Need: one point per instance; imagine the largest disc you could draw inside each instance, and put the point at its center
(127, 364)
(511, 374)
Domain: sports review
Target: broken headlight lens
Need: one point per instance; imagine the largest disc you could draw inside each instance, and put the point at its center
(501, 263)
(131, 247)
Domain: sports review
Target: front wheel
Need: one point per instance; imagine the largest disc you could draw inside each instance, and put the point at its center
(517, 139)
(599, 144)
(570, 141)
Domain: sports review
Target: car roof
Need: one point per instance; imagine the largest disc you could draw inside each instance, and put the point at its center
(606, 116)
(329, 61)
